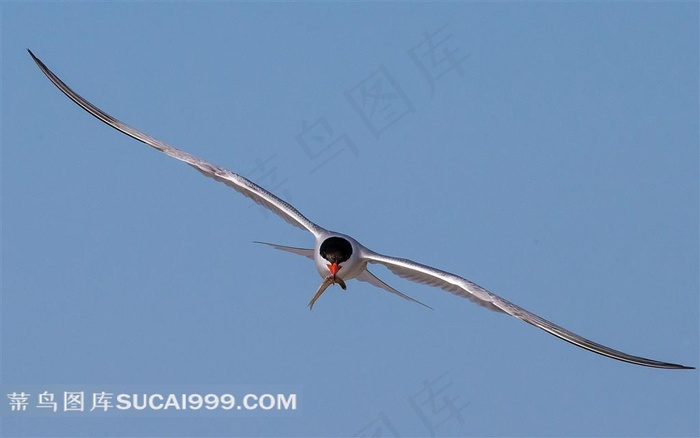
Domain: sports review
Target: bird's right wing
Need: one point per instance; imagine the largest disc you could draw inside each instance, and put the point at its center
(233, 180)
(464, 288)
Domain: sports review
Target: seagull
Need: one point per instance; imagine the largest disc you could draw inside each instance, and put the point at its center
(339, 257)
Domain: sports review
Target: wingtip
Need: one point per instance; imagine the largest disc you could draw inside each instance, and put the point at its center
(36, 60)
(419, 302)
(675, 366)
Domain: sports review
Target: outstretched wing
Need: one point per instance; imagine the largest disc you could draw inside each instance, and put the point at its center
(233, 180)
(464, 288)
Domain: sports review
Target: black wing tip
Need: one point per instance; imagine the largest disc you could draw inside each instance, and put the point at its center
(33, 56)
(681, 367)
(662, 365)
(38, 62)
(424, 305)
(648, 362)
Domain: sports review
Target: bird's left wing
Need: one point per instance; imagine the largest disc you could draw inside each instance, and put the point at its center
(464, 288)
(233, 180)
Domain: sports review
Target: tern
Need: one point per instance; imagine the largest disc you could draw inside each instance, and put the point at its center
(339, 257)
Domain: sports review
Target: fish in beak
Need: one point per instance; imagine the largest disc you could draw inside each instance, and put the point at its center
(331, 279)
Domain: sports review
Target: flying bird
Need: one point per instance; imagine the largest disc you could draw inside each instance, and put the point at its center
(339, 257)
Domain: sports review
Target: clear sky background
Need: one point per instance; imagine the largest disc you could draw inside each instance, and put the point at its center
(550, 154)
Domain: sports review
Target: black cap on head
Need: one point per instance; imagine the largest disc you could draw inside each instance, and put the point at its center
(336, 249)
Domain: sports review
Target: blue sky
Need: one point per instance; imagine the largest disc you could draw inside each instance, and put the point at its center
(550, 155)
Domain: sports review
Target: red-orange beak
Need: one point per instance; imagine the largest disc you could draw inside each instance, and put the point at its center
(334, 268)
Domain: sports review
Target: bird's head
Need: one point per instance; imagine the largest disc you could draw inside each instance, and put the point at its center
(335, 250)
